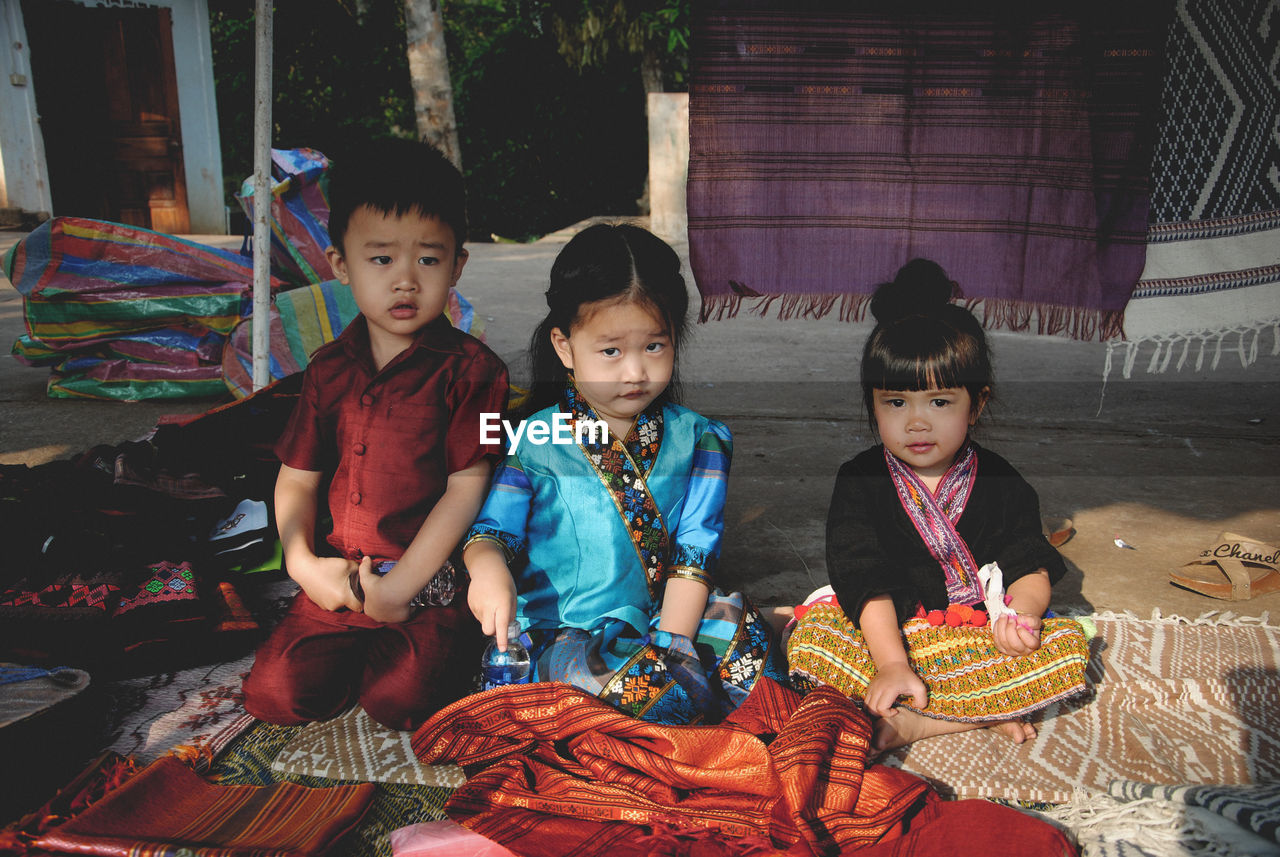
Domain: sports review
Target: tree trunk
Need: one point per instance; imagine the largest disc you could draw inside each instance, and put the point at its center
(429, 76)
(651, 70)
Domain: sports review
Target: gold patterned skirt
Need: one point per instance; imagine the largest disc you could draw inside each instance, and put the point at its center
(968, 679)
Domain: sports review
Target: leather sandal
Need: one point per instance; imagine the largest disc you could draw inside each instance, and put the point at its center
(1236, 568)
(1057, 530)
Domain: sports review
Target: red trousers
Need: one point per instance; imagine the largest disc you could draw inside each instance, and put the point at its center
(316, 663)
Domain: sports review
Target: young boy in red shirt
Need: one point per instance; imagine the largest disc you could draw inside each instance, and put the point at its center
(390, 413)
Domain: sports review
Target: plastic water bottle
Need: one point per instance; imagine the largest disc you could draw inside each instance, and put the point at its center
(510, 667)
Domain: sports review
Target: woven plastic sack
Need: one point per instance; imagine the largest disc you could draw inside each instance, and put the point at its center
(88, 281)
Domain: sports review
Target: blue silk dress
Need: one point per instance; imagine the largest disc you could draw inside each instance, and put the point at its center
(592, 530)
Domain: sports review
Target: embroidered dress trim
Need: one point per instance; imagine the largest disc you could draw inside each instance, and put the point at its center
(622, 466)
(509, 478)
(934, 516)
(693, 558)
(640, 683)
(507, 543)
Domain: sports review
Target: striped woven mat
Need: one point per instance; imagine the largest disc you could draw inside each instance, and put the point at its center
(1173, 702)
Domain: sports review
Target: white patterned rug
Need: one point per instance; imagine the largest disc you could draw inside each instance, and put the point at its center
(199, 709)
(1173, 701)
(353, 746)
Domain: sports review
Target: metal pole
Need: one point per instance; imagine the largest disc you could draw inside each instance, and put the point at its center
(262, 194)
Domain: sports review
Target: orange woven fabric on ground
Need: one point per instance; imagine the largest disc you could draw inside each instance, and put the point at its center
(168, 806)
(571, 774)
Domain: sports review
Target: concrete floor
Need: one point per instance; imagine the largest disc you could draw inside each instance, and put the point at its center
(1163, 462)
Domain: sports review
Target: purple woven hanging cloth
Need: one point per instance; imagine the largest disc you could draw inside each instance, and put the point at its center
(831, 143)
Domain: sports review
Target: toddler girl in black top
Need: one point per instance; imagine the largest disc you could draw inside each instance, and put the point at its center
(940, 575)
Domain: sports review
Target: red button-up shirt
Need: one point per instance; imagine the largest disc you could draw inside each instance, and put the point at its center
(392, 438)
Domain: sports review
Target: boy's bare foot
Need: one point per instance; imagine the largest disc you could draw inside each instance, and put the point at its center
(907, 726)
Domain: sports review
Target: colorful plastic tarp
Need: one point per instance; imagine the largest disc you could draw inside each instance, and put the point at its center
(121, 312)
(169, 363)
(302, 320)
(87, 281)
(299, 214)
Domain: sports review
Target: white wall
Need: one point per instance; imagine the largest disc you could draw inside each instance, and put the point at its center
(668, 114)
(24, 180)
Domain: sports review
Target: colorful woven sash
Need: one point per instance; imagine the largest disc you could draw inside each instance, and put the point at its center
(622, 466)
(934, 516)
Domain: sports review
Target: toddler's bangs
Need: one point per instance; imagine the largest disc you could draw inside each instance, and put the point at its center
(922, 362)
(922, 374)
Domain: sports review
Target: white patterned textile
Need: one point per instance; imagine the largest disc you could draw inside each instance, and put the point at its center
(1190, 702)
(352, 746)
(1211, 285)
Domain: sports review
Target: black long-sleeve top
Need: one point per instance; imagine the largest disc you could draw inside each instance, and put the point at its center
(874, 549)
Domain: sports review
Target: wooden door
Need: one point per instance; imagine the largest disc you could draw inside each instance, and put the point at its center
(107, 94)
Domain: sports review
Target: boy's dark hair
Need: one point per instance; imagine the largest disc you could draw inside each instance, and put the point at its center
(600, 263)
(922, 341)
(396, 177)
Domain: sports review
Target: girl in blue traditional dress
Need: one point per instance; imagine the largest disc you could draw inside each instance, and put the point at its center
(605, 547)
(918, 625)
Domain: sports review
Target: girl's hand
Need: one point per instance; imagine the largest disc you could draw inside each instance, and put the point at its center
(328, 580)
(492, 599)
(1017, 635)
(383, 602)
(895, 680)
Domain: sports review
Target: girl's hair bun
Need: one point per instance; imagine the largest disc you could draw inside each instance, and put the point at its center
(920, 288)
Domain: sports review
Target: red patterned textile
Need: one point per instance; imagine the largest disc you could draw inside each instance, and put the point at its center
(572, 775)
(168, 807)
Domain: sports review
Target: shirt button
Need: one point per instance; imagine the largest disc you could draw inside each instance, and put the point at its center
(355, 498)
(358, 449)
(366, 399)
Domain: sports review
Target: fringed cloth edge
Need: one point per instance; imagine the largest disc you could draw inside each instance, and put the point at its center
(1164, 347)
(1020, 316)
(1148, 825)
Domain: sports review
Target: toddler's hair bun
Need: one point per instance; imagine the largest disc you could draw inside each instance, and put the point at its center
(920, 288)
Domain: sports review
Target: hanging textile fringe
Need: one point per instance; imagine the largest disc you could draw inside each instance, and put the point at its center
(1242, 340)
(1018, 316)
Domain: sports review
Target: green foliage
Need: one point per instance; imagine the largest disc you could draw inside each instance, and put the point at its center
(338, 76)
(543, 145)
(587, 30)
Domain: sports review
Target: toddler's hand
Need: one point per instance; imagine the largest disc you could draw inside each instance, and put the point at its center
(1017, 635)
(895, 680)
(327, 580)
(383, 600)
